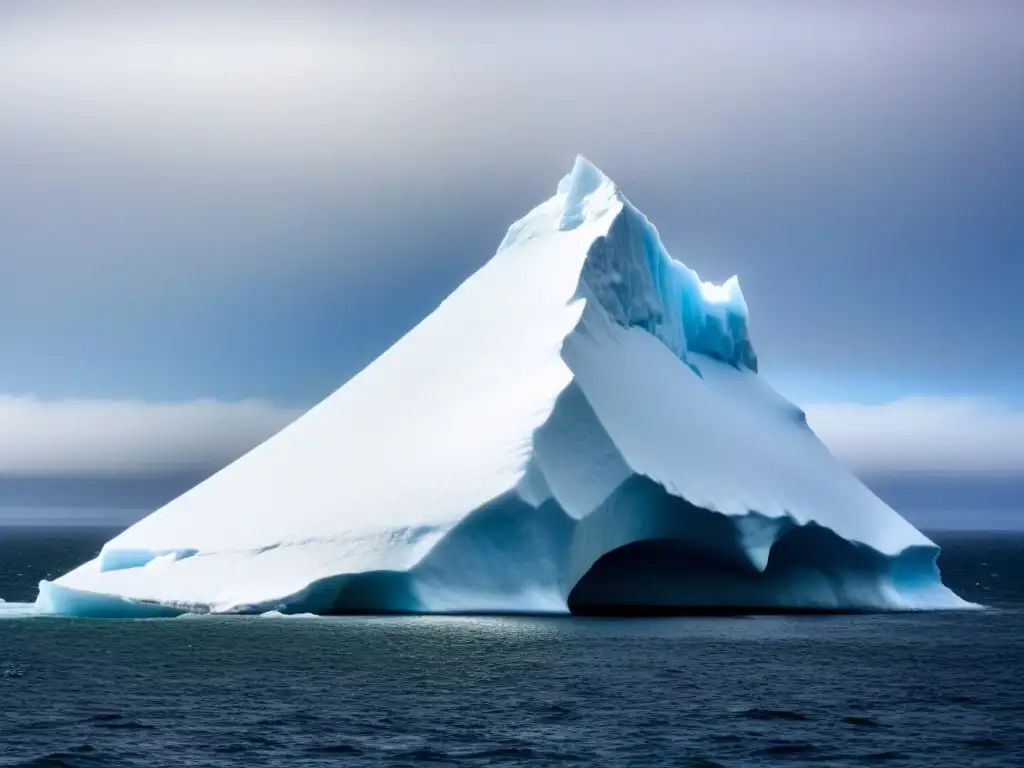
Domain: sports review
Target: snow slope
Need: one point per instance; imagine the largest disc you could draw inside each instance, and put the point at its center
(579, 426)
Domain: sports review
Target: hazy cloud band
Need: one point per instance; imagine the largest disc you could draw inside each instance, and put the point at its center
(132, 438)
(93, 437)
(957, 435)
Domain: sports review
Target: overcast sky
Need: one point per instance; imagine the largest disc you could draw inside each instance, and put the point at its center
(218, 204)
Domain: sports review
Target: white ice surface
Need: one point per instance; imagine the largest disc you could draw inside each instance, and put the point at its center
(470, 456)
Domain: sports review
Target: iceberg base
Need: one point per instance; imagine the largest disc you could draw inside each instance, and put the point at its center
(642, 552)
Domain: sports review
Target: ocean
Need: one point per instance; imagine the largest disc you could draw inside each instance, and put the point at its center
(929, 689)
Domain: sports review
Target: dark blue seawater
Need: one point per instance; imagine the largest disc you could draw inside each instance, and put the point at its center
(943, 689)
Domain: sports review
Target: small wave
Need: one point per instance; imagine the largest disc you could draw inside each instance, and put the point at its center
(726, 738)
(522, 753)
(983, 742)
(11, 671)
(299, 716)
(103, 717)
(232, 749)
(70, 758)
(774, 714)
(789, 748)
(425, 755)
(114, 720)
(959, 699)
(334, 749)
(128, 725)
(863, 722)
(557, 713)
(885, 756)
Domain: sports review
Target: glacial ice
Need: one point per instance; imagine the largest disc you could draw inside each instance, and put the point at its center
(579, 427)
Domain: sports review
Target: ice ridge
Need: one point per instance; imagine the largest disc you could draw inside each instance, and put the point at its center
(629, 271)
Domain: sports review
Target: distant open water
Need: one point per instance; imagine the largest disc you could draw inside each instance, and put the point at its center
(942, 689)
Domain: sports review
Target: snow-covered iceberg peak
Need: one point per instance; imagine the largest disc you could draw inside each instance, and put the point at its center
(585, 189)
(578, 427)
(633, 277)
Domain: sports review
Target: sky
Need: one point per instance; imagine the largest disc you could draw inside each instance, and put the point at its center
(212, 216)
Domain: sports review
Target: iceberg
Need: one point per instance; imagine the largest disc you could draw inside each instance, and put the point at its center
(578, 428)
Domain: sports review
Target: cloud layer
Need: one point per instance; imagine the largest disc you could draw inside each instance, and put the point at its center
(255, 199)
(127, 438)
(958, 435)
(966, 436)
(249, 123)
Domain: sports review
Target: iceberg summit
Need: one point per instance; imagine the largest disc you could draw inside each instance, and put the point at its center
(579, 427)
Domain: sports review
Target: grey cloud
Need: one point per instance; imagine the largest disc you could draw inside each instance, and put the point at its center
(229, 161)
(263, 123)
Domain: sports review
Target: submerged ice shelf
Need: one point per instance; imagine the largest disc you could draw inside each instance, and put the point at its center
(578, 427)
